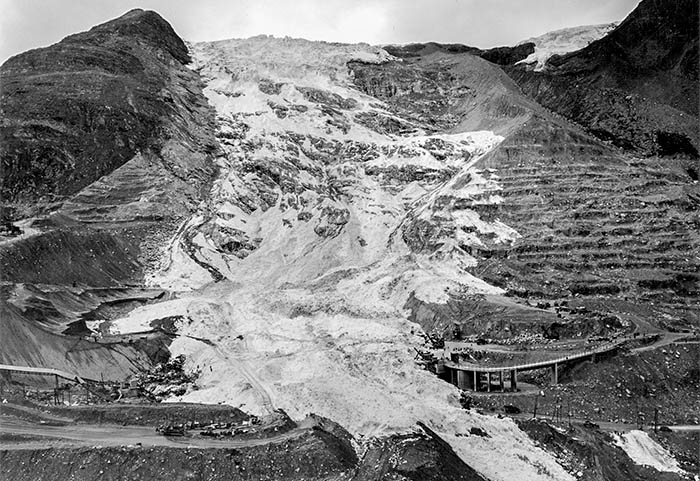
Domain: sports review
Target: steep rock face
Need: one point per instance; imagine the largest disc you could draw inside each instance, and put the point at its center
(637, 86)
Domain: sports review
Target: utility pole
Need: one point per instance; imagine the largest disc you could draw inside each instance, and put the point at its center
(656, 419)
(534, 411)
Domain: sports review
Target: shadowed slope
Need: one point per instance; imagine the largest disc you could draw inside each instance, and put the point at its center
(637, 86)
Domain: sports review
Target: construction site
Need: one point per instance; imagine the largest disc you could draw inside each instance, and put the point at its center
(272, 258)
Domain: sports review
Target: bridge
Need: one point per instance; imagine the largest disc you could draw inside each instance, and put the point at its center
(43, 371)
(8, 369)
(469, 376)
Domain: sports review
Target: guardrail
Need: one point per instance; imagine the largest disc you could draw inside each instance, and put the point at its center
(534, 365)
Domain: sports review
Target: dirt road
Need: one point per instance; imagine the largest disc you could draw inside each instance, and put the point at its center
(666, 339)
(113, 435)
(607, 425)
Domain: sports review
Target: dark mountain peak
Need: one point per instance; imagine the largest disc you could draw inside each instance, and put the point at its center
(636, 87)
(657, 35)
(145, 25)
(77, 110)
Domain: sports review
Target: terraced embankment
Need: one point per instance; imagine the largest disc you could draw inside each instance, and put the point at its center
(596, 222)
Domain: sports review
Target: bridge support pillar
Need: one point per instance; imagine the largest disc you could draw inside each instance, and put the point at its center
(513, 380)
(500, 380)
(462, 380)
(555, 373)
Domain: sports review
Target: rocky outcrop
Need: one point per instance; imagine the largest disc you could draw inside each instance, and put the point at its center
(508, 55)
(421, 455)
(331, 221)
(437, 89)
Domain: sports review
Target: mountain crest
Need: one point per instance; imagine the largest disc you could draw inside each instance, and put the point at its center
(145, 25)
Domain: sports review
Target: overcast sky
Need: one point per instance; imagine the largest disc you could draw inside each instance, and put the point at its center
(26, 24)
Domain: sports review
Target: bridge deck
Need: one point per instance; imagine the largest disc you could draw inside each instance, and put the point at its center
(533, 365)
(41, 371)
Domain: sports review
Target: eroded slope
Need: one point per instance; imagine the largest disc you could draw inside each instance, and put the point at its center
(106, 146)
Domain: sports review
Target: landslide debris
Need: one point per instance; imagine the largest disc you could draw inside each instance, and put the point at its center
(165, 380)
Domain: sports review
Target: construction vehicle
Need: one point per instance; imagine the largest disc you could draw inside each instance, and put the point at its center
(172, 430)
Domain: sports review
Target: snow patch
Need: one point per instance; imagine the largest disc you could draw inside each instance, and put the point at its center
(564, 41)
(645, 451)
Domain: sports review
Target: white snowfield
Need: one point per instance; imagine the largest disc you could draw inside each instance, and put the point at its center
(645, 451)
(317, 323)
(564, 41)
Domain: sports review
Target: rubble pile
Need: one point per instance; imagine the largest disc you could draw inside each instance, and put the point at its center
(166, 380)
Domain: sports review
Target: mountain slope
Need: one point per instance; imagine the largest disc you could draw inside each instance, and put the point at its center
(359, 200)
(637, 86)
(75, 111)
(106, 144)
